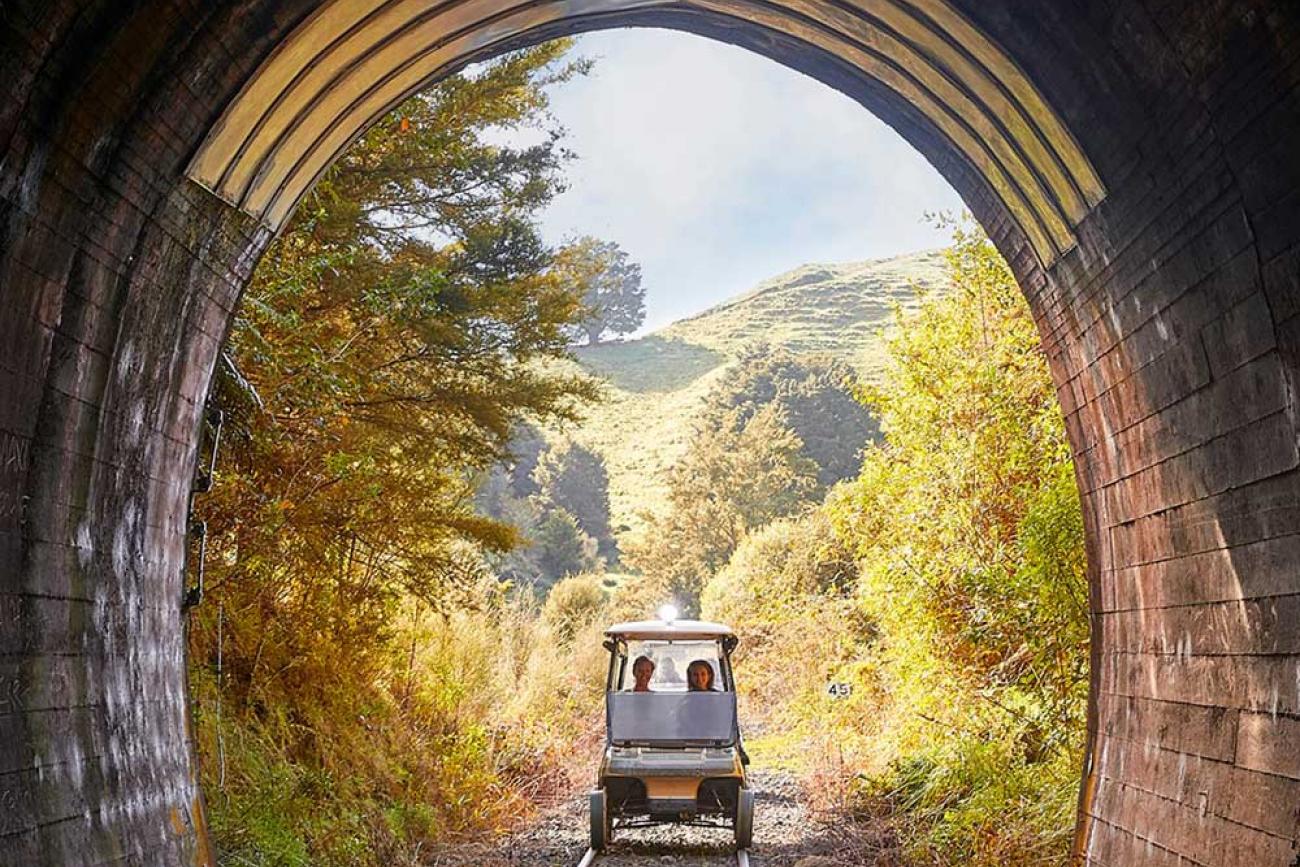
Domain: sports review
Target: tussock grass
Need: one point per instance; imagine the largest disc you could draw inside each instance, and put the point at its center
(477, 719)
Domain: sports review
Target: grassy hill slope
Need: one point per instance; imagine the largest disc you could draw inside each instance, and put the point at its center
(832, 309)
(658, 382)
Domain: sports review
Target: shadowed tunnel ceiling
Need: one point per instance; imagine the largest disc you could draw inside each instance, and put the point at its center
(1136, 162)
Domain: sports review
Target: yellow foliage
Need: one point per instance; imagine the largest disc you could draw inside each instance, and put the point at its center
(788, 592)
(968, 527)
(471, 719)
(573, 603)
(944, 588)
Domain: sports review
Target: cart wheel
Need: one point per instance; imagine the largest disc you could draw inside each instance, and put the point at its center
(600, 821)
(745, 819)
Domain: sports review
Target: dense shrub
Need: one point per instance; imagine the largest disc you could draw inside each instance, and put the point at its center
(788, 592)
(968, 526)
(471, 719)
(815, 395)
(573, 603)
(918, 645)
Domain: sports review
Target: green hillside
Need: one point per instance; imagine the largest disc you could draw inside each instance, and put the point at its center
(658, 382)
(834, 309)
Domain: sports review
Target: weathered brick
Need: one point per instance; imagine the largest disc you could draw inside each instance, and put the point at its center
(1261, 449)
(1240, 335)
(1269, 743)
(1256, 512)
(1254, 626)
(1235, 399)
(1171, 328)
(1214, 786)
(1191, 831)
(1249, 571)
(1118, 846)
(1268, 684)
(1196, 730)
(1281, 276)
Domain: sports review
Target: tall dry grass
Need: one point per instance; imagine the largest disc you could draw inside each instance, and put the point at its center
(470, 722)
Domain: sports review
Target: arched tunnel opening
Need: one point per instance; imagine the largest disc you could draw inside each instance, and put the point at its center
(1135, 165)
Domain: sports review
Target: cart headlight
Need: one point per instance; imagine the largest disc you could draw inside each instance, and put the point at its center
(668, 613)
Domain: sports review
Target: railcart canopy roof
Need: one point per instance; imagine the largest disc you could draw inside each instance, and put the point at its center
(669, 629)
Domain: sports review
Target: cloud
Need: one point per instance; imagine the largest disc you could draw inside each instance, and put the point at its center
(715, 168)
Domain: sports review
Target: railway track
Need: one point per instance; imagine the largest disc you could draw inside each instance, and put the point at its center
(589, 858)
(560, 836)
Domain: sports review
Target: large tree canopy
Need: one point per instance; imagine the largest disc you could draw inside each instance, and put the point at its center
(385, 351)
(390, 334)
(610, 284)
(816, 394)
(573, 477)
(738, 475)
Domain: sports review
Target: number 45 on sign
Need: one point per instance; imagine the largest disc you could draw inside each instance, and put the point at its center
(839, 689)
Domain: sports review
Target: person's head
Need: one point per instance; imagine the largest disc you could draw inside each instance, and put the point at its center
(643, 668)
(699, 676)
(667, 672)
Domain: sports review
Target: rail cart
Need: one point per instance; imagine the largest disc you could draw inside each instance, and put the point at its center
(673, 752)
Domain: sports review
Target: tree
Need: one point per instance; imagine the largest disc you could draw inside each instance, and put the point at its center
(610, 284)
(549, 543)
(504, 484)
(567, 478)
(562, 548)
(967, 523)
(735, 477)
(971, 503)
(389, 343)
(526, 446)
(816, 395)
(573, 477)
(389, 364)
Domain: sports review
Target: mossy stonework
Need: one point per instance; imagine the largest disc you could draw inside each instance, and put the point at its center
(1135, 163)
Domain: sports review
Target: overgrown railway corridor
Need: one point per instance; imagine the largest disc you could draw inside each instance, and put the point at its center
(1135, 162)
(787, 833)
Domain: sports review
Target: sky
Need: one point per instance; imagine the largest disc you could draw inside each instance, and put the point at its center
(715, 168)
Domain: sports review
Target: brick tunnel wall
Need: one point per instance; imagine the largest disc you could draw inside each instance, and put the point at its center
(1173, 338)
(1173, 331)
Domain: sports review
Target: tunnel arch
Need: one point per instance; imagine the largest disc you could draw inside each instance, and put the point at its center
(1134, 162)
(347, 65)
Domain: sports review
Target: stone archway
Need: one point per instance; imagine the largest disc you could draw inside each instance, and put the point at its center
(1136, 163)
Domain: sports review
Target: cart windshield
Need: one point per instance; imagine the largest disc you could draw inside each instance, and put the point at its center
(672, 662)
